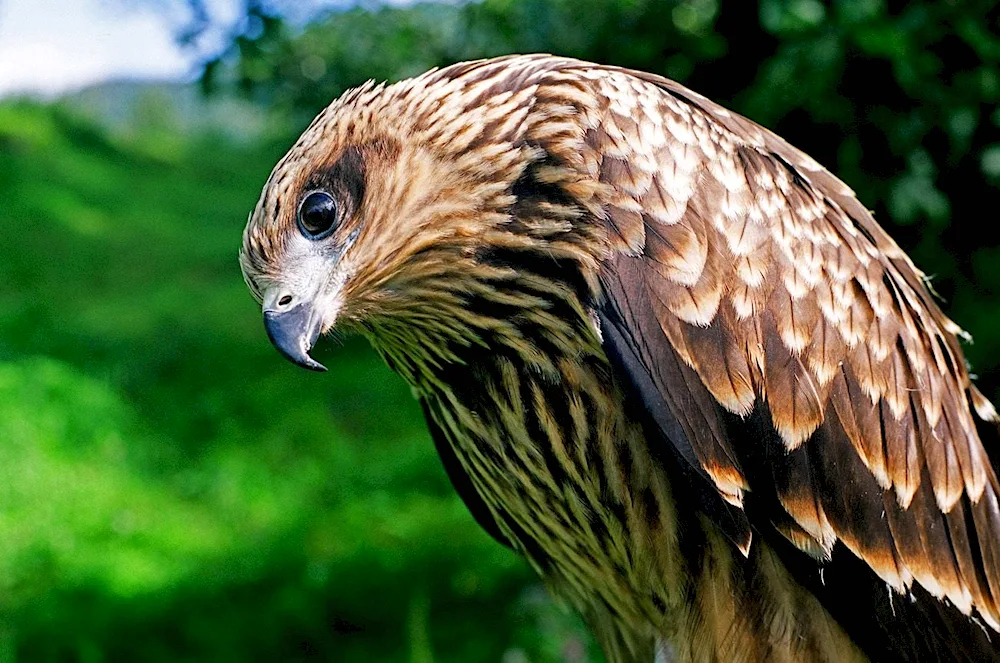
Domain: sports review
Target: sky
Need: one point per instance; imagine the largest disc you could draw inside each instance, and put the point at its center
(48, 47)
(52, 46)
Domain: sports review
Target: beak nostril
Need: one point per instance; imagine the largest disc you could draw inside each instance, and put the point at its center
(285, 301)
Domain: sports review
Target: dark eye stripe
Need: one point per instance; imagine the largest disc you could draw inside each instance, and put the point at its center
(318, 215)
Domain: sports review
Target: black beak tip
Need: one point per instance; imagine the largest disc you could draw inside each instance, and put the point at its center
(293, 335)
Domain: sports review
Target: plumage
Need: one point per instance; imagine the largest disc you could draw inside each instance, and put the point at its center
(663, 354)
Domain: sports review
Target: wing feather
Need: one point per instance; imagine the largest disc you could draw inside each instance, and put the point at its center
(759, 289)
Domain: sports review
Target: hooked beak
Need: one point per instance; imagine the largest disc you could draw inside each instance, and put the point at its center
(294, 332)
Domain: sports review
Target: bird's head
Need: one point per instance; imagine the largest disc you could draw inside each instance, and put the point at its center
(377, 218)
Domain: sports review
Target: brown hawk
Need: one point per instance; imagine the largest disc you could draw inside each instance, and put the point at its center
(662, 353)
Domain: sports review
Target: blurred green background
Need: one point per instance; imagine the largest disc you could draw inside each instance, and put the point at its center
(170, 489)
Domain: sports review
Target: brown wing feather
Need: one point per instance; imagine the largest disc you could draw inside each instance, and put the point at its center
(776, 289)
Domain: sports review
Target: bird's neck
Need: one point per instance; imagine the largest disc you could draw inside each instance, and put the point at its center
(520, 303)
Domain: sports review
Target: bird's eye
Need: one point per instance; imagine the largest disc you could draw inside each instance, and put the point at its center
(318, 215)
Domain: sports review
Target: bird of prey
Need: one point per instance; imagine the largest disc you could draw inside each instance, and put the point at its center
(663, 354)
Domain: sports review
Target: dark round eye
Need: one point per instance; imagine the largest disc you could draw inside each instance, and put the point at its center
(318, 215)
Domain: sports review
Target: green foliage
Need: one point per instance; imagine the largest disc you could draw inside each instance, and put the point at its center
(170, 487)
